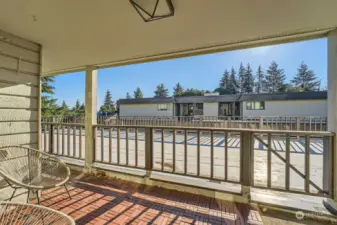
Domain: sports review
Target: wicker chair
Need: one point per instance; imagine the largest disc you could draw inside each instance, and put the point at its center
(26, 214)
(32, 169)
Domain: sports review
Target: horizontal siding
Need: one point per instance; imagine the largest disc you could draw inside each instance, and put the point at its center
(19, 41)
(17, 115)
(19, 139)
(17, 127)
(18, 89)
(290, 108)
(144, 110)
(15, 102)
(18, 52)
(11, 63)
(13, 77)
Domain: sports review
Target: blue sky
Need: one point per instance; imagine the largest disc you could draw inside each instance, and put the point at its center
(202, 72)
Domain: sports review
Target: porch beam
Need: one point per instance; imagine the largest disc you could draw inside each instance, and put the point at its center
(90, 114)
(332, 113)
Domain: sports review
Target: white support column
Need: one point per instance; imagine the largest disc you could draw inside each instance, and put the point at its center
(332, 102)
(90, 114)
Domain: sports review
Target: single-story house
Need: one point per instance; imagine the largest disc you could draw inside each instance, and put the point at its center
(266, 104)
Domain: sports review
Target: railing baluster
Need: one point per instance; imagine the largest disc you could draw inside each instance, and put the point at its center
(269, 161)
(51, 139)
(95, 143)
(74, 141)
(174, 151)
(68, 141)
(80, 143)
(127, 146)
(102, 144)
(63, 146)
(226, 156)
(328, 166)
(212, 154)
(110, 144)
(310, 123)
(287, 172)
(57, 140)
(136, 147)
(45, 138)
(198, 153)
(118, 145)
(185, 151)
(162, 149)
(307, 163)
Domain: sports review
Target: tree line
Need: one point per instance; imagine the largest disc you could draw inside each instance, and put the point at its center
(244, 81)
(49, 107)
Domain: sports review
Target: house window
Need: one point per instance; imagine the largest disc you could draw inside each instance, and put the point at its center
(163, 107)
(199, 111)
(255, 106)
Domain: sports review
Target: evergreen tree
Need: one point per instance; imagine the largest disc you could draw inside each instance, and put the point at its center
(224, 81)
(194, 92)
(223, 84)
(75, 111)
(247, 81)
(77, 104)
(305, 79)
(82, 109)
(138, 93)
(64, 109)
(241, 75)
(275, 78)
(128, 96)
(233, 83)
(178, 90)
(48, 104)
(261, 82)
(108, 103)
(161, 91)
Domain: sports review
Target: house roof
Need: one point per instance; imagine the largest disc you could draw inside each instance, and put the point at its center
(201, 99)
(310, 95)
(156, 100)
(314, 95)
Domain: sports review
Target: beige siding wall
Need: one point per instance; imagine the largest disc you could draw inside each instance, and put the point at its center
(19, 90)
(144, 110)
(290, 108)
(211, 109)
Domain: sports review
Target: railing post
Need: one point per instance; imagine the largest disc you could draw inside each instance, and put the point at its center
(328, 146)
(148, 150)
(298, 125)
(260, 122)
(90, 115)
(247, 159)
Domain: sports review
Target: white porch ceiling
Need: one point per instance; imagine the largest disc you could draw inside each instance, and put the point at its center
(76, 33)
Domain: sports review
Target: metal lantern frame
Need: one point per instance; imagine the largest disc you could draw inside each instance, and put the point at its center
(152, 15)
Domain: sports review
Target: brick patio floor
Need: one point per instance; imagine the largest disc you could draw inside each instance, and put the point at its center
(111, 201)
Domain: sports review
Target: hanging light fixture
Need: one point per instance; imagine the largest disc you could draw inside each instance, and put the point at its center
(151, 10)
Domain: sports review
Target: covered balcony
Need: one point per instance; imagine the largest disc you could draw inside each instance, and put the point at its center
(168, 172)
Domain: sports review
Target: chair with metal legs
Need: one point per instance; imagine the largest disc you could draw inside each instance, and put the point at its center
(32, 169)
